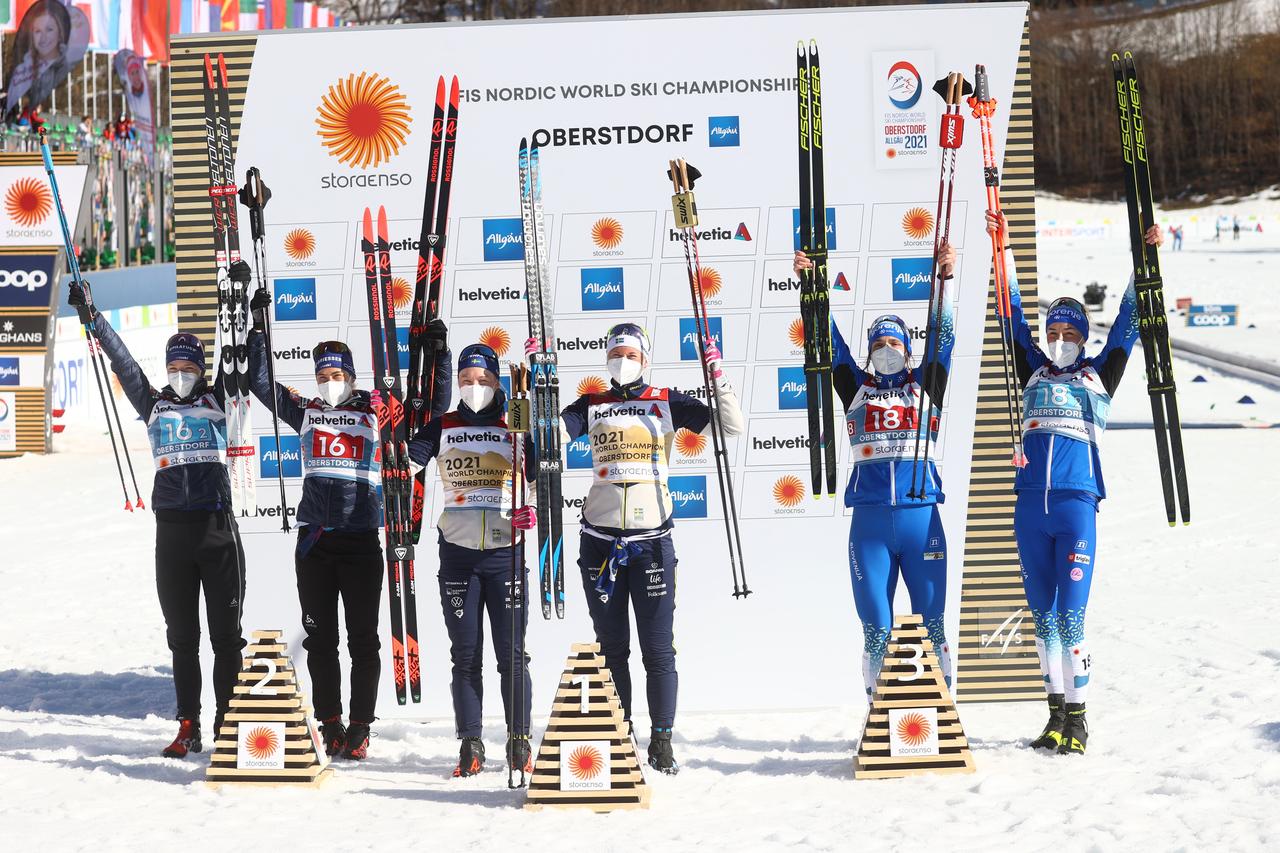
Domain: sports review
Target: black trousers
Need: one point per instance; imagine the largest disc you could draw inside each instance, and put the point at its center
(349, 565)
(194, 550)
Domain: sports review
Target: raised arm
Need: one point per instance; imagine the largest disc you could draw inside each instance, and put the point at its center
(290, 406)
(846, 374)
(137, 388)
(1028, 357)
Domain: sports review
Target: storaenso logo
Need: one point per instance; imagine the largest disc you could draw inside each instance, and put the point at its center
(503, 239)
(792, 389)
(619, 134)
(363, 120)
(688, 496)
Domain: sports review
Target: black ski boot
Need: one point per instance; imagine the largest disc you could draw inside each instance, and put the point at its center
(188, 739)
(334, 736)
(660, 755)
(519, 754)
(1051, 737)
(357, 745)
(1075, 734)
(219, 720)
(470, 757)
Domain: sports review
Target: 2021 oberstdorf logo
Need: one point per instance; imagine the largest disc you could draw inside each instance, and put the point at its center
(688, 495)
(911, 278)
(722, 131)
(603, 289)
(295, 299)
(503, 239)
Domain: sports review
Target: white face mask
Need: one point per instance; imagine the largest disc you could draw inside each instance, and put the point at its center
(335, 393)
(181, 382)
(625, 370)
(887, 361)
(1062, 353)
(476, 397)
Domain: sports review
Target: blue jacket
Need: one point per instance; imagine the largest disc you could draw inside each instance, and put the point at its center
(199, 486)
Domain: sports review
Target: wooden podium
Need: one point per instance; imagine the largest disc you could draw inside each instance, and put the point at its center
(268, 737)
(913, 726)
(587, 759)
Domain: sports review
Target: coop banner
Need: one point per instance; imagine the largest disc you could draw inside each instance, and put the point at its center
(339, 121)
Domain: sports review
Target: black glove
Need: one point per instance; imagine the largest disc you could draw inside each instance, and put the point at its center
(82, 299)
(240, 273)
(259, 305)
(436, 334)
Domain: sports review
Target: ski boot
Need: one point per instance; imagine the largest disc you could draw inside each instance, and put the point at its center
(219, 720)
(1075, 734)
(1051, 737)
(334, 735)
(357, 745)
(519, 755)
(660, 756)
(470, 757)
(188, 739)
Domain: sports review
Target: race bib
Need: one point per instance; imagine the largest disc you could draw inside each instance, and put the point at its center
(630, 439)
(187, 434)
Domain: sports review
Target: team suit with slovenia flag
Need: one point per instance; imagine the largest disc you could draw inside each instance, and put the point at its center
(625, 549)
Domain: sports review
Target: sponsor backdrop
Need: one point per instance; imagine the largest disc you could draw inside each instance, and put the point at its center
(609, 118)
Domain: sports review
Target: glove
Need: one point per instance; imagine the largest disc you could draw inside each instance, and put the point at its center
(525, 518)
(712, 358)
(531, 346)
(437, 333)
(258, 307)
(82, 299)
(240, 273)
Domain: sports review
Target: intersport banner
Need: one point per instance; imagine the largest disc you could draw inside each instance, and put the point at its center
(341, 120)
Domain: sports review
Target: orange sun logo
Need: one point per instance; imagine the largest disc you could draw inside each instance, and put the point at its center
(497, 339)
(709, 278)
(689, 443)
(586, 762)
(363, 120)
(917, 223)
(299, 244)
(261, 742)
(913, 729)
(28, 202)
(592, 385)
(795, 332)
(401, 292)
(607, 232)
(788, 490)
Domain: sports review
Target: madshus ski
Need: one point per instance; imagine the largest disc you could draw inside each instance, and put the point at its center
(546, 385)
(815, 294)
(1153, 327)
(233, 307)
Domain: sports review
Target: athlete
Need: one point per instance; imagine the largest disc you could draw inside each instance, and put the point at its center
(338, 553)
(1066, 398)
(896, 528)
(625, 549)
(473, 453)
(197, 540)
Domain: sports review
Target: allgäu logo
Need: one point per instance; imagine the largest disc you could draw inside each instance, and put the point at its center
(688, 495)
(831, 229)
(689, 336)
(722, 131)
(602, 289)
(792, 390)
(295, 299)
(578, 452)
(9, 374)
(503, 239)
(911, 278)
(290, 449)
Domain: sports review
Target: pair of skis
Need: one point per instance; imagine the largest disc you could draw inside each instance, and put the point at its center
(1153, 328)
(519, 423)
(546, 384)
(397, 489)
(233, 308)
(684, 210)
(815, 294)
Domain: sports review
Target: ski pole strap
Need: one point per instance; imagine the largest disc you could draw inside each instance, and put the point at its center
(619, 556)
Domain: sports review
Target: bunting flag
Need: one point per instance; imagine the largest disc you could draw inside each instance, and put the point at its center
(295, 14)
(249, 15)
(230, 18)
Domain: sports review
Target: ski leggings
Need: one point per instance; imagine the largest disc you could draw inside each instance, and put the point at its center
(193, 550)
(1057, 537)
(649, 581)
(883, 542)
(471, 584)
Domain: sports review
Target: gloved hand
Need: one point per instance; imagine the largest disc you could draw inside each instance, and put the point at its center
(81, 298)
(712, 358)
(437, 333)
(531, 346)
(240, 273)
(525, 518)
(258, 307)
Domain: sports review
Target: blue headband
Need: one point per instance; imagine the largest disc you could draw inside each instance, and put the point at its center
(1068, 311)
(184, 347)
(478, 355)
(340, 360)
(889, 326)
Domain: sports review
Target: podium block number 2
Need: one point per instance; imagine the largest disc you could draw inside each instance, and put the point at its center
(917, 654)
(261, 688)
(585, 696)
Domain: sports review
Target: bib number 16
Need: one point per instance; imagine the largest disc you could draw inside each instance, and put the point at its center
(330, 446)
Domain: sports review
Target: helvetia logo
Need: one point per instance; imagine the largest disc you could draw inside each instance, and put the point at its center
(904, 85)
(742, 233)
(710, 280)
(841, 283)
(363, 120)
(917, 223)
(299, 244)
(261, 743)
(606, 233)
(27, 202)
(788, 491)
(586, 763)
(592, 385)
(401, 292)
(795, 333)
(689, 443)
(913, 729)
(496, 338)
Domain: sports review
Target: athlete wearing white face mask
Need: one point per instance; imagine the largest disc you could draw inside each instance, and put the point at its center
(1066, 399)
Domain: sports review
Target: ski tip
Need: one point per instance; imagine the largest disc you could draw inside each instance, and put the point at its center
(813, 47)
(453, 92)
(800, 47)
(440, 90)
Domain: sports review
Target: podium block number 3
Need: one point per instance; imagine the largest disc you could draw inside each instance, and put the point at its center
(261, 688)
(917, 654)
(585, 696)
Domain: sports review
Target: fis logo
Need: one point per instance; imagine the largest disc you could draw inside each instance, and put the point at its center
(9, 374)
(792, 391)
(295, 299)
(503, 239)
(722, 131)
(831, 229)
(911, 278)
(290, 449)
(688, 496)
(602, 289)
(689, 337)
(904, 85)
(578, 452)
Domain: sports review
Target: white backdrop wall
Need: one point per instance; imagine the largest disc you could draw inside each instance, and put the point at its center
(720, 91)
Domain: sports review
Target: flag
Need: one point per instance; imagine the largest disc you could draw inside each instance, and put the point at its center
(184, 16)
(295, 13)
(249, 15)
(230, 15)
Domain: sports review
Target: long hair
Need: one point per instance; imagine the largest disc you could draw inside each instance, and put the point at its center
(54, 9)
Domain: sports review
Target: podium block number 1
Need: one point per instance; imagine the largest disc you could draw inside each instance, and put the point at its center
(585, 696)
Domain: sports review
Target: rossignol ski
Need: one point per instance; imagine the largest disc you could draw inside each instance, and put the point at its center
(1153, 328)
(430, 273)
(546, 386)
(952, 89)
(984, 106)
(815, 294)
(684, 210)
(233, 308)
(518, 425)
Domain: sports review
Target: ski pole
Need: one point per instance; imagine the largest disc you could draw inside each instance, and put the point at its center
(254, 195)
(518, 423)
(100, 374)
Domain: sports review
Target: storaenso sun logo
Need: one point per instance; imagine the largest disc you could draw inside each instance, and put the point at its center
(363, 121)
(27, 203)
(300, 245)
